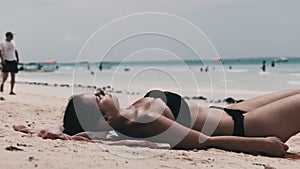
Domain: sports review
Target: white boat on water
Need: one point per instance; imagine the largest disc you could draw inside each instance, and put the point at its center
(49, 67)
(40, 67)
(30, 67)
(281, 59)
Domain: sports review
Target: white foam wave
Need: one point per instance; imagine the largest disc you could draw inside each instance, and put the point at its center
(293, 82)
(264, 73)
(294, 74)
(237, 70)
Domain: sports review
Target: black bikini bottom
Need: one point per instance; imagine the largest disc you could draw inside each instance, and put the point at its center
(177, 105)
(238, 119)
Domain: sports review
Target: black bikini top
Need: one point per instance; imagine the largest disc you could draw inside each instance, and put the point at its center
(176, 103)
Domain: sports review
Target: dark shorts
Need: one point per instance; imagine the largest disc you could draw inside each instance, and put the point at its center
(10, 66)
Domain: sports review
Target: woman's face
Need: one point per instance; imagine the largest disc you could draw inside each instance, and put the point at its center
(107, 104)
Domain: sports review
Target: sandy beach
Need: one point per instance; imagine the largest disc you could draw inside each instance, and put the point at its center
(35, 107)
(213, 52)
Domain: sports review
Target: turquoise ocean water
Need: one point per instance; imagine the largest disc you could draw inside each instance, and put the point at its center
(244, 79)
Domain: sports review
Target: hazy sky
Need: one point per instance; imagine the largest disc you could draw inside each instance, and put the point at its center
(58, 29)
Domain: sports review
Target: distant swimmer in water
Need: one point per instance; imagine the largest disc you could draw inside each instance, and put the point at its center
(273, 63)
(263, 67)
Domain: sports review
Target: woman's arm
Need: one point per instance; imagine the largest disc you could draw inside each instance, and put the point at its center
(47, 134)
(271, 146)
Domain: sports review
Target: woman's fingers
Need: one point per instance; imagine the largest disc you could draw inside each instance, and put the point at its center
(275, 147)
(23, 129)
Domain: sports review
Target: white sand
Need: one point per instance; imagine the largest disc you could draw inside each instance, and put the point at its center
(41, 107)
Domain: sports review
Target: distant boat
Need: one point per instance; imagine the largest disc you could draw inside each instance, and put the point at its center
(216, 59)
(50, 66)
(30, 67)
(104, 65)
(281, 59)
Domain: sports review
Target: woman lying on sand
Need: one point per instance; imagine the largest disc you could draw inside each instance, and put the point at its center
(257, 126)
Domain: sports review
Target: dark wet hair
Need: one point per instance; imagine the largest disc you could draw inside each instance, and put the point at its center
(80, 116)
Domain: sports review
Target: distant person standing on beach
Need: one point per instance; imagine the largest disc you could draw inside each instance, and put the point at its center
(9, 60)
(263, 67)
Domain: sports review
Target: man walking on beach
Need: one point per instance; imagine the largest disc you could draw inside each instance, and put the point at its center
(9, 60)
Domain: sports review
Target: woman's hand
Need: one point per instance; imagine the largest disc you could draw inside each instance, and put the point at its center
(269, 146)
(24, 129)
(274, 147)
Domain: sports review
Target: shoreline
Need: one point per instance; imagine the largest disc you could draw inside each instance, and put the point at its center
(68, 88)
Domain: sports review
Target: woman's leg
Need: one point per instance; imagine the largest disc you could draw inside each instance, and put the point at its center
(279, 118)
(254, 103)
